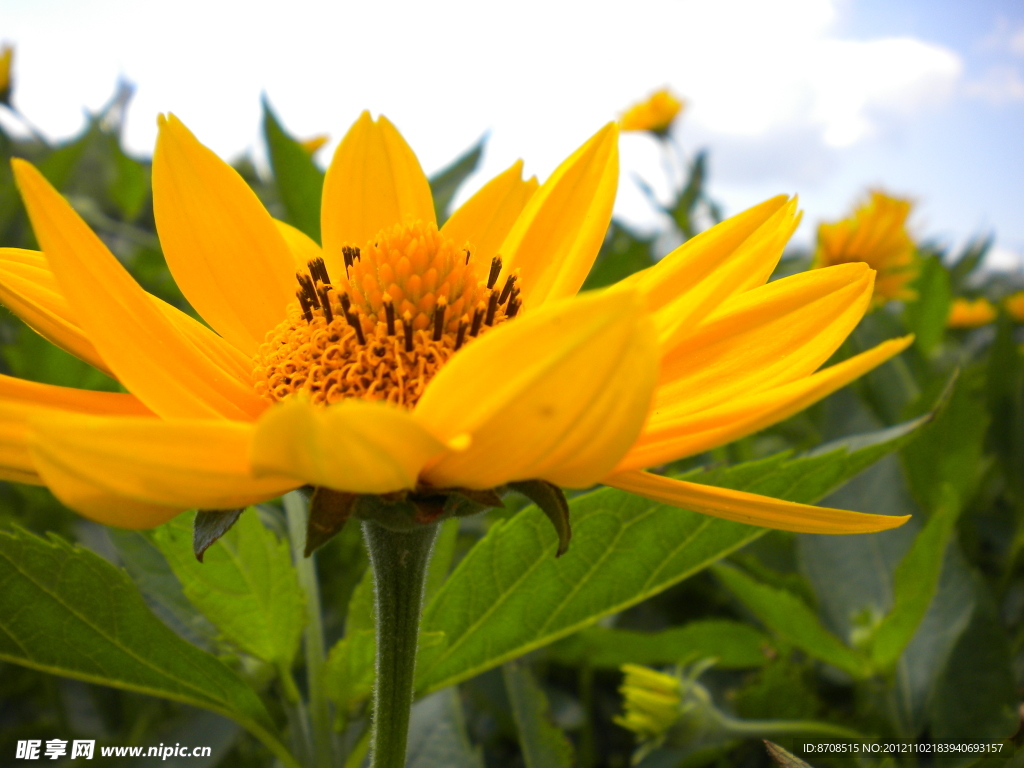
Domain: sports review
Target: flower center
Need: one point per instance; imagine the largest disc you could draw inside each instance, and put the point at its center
(407, 302)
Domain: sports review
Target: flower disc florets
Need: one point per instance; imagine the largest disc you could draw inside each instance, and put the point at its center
(408, 300)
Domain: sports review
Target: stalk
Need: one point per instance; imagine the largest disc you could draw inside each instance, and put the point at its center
(313, 638)
(399, 561)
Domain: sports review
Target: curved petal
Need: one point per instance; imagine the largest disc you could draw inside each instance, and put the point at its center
(558, 394)
(29, 289)
(146, 351)
(180, 464)
(355, 446)
(672, 433)
(220, 243)
(554, 242)
(374, 181)
(694, 280)
(20, 399)
(486, 218)
(749, 508)
(765, 337)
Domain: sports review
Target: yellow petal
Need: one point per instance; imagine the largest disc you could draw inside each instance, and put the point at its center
(765, 337)
(673, 432)
(29, 290)
(19, 399)
(134, 337)
(486, 218)
(694, 280)
(304, 249)
(374, 181)
(556, 238)
(355, 446)
(750, 508)
(558, 394)
(180, 464)
(220, 243)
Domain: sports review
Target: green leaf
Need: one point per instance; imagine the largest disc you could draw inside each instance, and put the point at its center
(66, 611)
(209, 525)
(552, 502)
(622, 253)
(543, 745)
(445, 183)
(437, 734)
(246, 585)
(915, 582)
(441, 557)
(348, 674)
(791, 619)
(59, 164)
(734, 644)
(508, 596)
(1004, 390)
(926, 316)
(299, 182)
(782, 758)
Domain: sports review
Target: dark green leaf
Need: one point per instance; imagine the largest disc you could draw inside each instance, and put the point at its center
(299, 182)
(791, 619)
(552, 503)
(446, 182)
(1005, 397)
(540, 741)
(926, 316)
(208, 526)
(68, 612)
(247, 586)
(437, 734)
(622, 253)
(915, 582)
(508, 596)
(735, 646)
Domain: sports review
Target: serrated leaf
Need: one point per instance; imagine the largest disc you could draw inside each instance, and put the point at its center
(915, 582)
(791, 619)
(734, 644)
(66, 611)
(542, 744)
(299, 182)
(246, 585)
(437, 734)
(445, 183)
(508, 596)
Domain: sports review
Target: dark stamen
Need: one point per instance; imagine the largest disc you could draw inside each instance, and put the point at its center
(492, 278)
(407, 327)
(514, 296)
(509, 285)
(309, 289)
(307, 312)
(513, 308)
(346, 304)
(478, 319)
(460, 337)
(442, 305)
(353, 320)
(325, 302)
(468, 254)
(389, 313)
(492, 308)
(350, 254)
(318, 270)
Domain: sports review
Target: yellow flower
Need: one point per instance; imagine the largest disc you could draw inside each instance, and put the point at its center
(876, 234)
(965, 313)
(651, 701)
(313, 143)
(6, 59)
(403, 357)
(1014, 304)
(655, 114)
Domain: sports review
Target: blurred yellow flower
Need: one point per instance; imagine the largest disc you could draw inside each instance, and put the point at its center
(965, 313)
(6, 59)
(875, 234)
(313, 143)
(656, 114)
(1014, 304)
(403, 357)
(651, 701)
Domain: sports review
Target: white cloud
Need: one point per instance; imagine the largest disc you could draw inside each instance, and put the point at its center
(999, 85)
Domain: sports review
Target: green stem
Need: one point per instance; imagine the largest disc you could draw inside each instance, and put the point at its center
(399, 561)
(313, 639)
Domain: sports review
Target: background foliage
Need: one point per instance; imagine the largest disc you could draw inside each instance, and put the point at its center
(914, 634)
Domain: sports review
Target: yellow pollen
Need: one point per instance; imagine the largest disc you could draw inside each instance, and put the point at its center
(409, 301)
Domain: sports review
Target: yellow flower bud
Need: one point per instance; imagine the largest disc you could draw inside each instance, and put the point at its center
(656, 114)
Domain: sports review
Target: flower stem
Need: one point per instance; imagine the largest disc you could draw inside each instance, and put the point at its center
(399, 561)
(313, 639)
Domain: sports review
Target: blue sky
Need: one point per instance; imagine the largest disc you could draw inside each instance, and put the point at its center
(824, 98)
